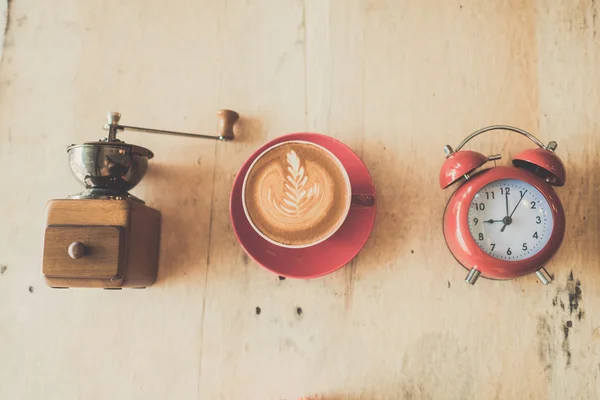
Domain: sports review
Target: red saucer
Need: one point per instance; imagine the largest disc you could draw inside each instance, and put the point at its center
(325, 257)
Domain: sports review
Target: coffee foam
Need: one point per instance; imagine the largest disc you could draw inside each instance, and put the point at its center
(296, 194)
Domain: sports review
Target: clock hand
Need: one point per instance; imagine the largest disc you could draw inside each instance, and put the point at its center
(515, 209)
(505, 218)
(508, 219)
(491, 221)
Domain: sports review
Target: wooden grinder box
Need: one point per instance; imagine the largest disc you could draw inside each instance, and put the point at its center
(100, 243)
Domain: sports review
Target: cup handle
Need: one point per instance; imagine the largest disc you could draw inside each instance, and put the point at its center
(362, 200)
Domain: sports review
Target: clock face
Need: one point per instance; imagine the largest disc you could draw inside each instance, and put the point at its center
(510, 220)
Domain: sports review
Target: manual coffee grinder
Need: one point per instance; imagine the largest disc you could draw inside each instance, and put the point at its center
(105, 237)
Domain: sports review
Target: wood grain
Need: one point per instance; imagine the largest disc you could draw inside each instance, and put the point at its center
(396, 81)
(143, 246)
(93, 212)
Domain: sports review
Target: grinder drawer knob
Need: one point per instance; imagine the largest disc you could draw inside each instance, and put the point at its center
(76, 250)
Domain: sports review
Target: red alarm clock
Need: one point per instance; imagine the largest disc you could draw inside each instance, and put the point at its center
(504, 222)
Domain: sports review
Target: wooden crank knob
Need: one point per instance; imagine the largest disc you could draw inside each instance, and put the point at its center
(76, 250)
(227, 118)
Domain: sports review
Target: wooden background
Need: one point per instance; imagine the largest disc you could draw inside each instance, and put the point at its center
(396, 81)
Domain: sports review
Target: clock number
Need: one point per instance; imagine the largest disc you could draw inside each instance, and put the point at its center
(508, 251)
(524, 246)
(533, 205)
(504, 191)
(487, 195)
(479, 206)
(475, 220)
(538, 220)
(481, 236)
(493, 245)
(535, 235)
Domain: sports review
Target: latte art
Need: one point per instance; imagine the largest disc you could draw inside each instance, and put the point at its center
(296, 201)
(296, 194)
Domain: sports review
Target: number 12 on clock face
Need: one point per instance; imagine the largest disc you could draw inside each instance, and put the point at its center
(510, 219)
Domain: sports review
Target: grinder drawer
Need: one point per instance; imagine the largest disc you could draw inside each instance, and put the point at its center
(95, 252)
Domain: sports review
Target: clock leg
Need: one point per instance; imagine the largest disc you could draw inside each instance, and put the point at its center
(543, 276)
(472, 276)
